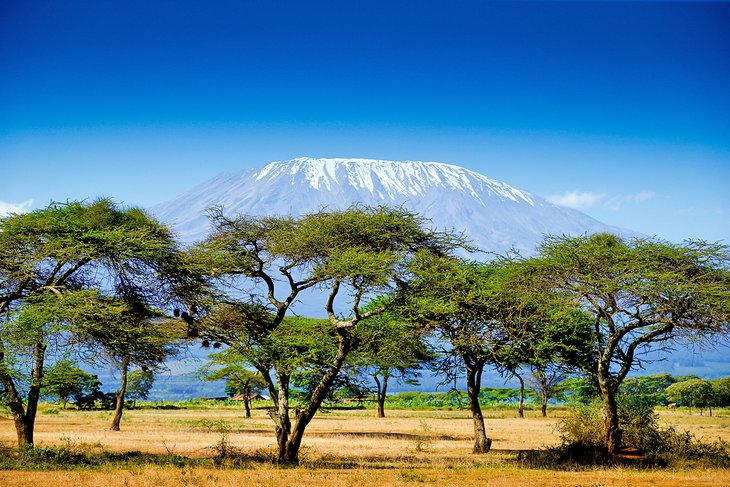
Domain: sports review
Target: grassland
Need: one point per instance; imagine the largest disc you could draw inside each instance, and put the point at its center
(341, 448)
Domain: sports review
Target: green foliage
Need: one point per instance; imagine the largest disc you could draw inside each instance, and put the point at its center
(651, 387)
(86, 456)
(584, 426)
(388, 343)
(461, 302)
(413, 400)
(579, 390)
(494, 395)
(92, 397)
(139, 384)
(697, 393)
(63, 380)
(721, 388)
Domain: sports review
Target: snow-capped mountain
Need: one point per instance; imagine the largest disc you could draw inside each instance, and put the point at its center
(494, 215)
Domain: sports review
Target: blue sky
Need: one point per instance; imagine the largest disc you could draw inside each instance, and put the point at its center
(619, 109)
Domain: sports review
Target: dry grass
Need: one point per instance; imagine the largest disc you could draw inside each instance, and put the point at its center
(160, 477)
(192, 432)
(340, 448)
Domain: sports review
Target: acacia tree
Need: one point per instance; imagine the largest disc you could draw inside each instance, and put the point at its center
(233, 366)
(139, 384)
(545, 382)
(64, 380)
(138, 336)
(48, 255)
(360, 251)
(460, 301)
(638, 293)
(390, 347)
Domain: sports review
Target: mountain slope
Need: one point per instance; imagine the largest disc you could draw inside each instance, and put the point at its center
(493, 214)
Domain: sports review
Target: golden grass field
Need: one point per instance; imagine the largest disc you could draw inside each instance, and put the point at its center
(340, 448)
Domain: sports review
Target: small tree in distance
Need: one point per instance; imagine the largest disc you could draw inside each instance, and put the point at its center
(240, 379)
(546, 382)
(390, 348)
(139, 384)
(697, 393)
(64, 380)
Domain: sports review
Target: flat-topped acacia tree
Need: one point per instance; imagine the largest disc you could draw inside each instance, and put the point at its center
(639, 294)
(136, 336)
(460, 302)
(484, 313)
(390, 348)
(54, 263)
(264, 264)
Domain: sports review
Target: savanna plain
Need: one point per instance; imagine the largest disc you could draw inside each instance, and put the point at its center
(217, 445)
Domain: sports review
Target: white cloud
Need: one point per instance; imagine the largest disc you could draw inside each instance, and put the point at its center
(575, 199)
(7, 208)
(585, 199)
(616, 202)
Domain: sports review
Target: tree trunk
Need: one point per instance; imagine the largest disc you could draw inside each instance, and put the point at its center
(482, 444)
(608, 388)
(610, 418)
(289, 449)
(382, 391)
(15, 404)
(521, 404)
(120, 397)
(24, 417)
(543, 408)
(280, 414)
(246, 401)
(34, 392)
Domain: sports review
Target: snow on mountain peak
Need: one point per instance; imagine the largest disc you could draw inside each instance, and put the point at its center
(389, 179)
(494, 215)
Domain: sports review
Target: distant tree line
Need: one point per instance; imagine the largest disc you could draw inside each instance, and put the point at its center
(113, 286)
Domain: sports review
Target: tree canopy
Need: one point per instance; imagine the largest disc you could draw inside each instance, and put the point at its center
(638, 293)
(263, 264)
(56, 264)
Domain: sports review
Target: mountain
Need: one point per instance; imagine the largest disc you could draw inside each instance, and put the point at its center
(494, 215)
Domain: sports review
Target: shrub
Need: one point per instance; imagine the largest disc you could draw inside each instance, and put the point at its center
(583, 426)
(583, 435)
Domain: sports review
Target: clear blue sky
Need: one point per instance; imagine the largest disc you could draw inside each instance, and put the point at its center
(619, 109)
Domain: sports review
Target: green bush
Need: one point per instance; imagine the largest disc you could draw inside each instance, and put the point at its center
(583, 434)
(583, 426)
